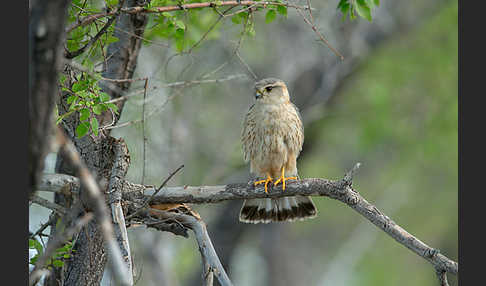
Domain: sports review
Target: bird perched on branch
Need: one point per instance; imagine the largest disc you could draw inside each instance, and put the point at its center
(272, 139)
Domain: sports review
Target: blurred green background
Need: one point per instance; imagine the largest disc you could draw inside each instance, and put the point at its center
(395, 112)
(392, 105)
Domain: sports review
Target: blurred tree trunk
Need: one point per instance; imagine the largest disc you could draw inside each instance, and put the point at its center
(46, 31)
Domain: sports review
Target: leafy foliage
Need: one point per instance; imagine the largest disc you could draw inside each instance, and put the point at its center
(88, 100)
(361, 7)
(57, 259)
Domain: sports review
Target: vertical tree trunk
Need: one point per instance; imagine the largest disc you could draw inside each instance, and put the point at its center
(86, 266)
(46, 30)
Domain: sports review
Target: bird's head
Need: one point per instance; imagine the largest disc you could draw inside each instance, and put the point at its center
(271, 90)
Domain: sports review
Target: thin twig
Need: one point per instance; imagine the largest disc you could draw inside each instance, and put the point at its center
(47, 204)
(314, 28)
(136, 10)
(41, 229)
(143, 130)
(149, 200)
(177, 84)
(79, 51)
(237, 52)
(221, 16)
(180, 84)
(246, 65)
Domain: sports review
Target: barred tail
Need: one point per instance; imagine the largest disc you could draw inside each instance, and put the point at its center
(277, 210)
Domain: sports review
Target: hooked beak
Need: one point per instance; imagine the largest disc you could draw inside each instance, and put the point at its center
(258, 94)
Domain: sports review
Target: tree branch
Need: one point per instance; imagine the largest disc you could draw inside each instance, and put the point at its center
(59, 183)
(47, 204)
(118, 172)
(136, 10)
(314, 28)
(340, 190)
(210, 260)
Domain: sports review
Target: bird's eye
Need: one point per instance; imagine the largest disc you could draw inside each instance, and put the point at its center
(268, 88)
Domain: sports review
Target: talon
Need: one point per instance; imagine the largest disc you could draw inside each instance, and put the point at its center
(266, 181)
(283, 179)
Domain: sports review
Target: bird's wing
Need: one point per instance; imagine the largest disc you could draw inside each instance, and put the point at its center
(301, 128)
(247, 134)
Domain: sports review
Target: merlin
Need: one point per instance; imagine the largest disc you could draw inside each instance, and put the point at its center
(272, 139)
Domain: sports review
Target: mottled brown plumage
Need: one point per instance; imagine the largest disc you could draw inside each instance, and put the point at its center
(272, 139)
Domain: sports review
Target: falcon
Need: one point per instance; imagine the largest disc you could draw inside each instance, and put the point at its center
(272, 139)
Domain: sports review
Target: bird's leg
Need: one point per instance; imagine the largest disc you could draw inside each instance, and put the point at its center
(283, 179)
(266, 181)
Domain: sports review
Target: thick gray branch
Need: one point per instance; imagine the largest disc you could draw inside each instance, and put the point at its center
(340, 190)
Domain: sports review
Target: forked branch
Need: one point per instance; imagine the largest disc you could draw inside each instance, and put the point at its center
(340, 190)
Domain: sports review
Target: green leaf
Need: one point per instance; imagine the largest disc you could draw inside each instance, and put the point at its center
(180, 24)
(363, 9)
(111, 39)
(82, 129)
(270, 16)
(179, 44)
(342, 3)
(94, 126)
(71, 99)
(282, 10)
(78, 86)
(344, 10)
(83, 93)
(113, 107)
(33, 260)
(58, 263)
(104, 96)
(34, 244)
(97, 109)
(179, 34)
(376, 2)
(84, 114)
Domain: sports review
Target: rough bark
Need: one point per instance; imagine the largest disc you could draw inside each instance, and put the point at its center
(46, 30)
(87, 266)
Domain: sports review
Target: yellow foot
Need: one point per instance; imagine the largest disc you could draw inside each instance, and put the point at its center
(283, 179)
(266, 181)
